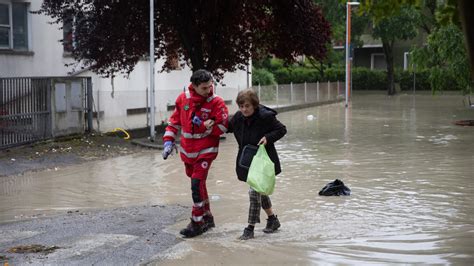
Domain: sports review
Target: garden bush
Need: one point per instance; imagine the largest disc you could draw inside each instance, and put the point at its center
(262, 76)
(334, 74)
(362, 78)
(296, 75)
(366, 79)
(405, 79)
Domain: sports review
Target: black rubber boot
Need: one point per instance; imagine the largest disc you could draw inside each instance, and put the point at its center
(193, 229)
(208, 222)
(248, 234)
(272, 225)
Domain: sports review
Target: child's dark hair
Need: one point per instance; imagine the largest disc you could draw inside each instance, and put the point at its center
(201, 76)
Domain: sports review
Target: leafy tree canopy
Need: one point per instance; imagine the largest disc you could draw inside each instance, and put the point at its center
(221, 36)
(446, 55)
(448, 13)
(380, 9)
(401, 24)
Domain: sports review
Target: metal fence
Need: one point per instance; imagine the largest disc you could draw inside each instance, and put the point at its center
(297, 94)
(33, 109)
(25, 110)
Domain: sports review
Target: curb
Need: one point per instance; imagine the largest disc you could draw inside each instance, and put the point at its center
(145, 142)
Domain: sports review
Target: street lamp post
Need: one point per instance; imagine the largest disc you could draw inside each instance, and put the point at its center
(152, 72)
(348, 41)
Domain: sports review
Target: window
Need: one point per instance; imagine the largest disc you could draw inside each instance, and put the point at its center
(13, 25)
(68, 34)
(377, 61)
(5, 25)
(70, 22)
(407, 61)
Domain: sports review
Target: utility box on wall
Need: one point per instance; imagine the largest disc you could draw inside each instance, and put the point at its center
(68, 106)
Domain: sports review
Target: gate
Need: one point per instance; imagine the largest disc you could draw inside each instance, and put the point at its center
(35, 109)
(25, 110)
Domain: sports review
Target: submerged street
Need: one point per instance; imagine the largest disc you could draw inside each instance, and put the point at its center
(409, 168)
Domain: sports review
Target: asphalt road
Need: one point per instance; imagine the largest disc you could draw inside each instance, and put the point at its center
(121, 236)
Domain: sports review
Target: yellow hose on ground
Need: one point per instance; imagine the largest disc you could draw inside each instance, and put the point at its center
(127, 136)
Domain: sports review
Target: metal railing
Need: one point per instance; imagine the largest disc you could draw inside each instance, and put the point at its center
(129, 108)
(296, 94)
(25, 110)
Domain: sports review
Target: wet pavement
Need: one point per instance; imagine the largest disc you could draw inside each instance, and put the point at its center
(63, 151)
(409, 168)
(116, 236)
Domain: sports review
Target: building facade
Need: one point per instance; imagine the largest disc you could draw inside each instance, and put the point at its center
(30, 47)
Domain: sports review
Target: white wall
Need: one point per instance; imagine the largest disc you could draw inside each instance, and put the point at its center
(46, 58)
(129, 92)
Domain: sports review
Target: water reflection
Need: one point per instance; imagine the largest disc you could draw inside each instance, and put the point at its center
(408, 166)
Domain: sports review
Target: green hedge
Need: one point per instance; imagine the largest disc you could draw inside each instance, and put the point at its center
(362, 78)
(366, 79)
(422, 81)
(296, 75)
(334, 74)
(262, 76)
(303, 74)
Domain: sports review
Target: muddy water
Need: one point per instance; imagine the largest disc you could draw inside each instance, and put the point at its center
(410, 170)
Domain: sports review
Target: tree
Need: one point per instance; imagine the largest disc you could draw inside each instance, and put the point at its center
(221, 36)
(446, 56)
(381, 9)
(466, 9)
(457, 12)
(335, 13)
(402, 25)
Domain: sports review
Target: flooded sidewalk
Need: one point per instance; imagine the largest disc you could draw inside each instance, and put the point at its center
(409, 168)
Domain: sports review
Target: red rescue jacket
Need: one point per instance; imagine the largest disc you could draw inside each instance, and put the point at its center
(197, 142)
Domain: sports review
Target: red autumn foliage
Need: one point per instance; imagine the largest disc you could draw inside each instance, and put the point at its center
(112, 36)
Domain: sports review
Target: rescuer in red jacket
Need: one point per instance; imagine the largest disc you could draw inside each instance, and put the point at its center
(200, 117)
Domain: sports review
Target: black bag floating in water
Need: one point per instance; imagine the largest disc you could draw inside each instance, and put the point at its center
(335, 188)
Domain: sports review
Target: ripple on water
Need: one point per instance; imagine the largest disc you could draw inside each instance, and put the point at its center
(411, 249)
(411, 200)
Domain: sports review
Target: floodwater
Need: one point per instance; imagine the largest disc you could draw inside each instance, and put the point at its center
(409, 167)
